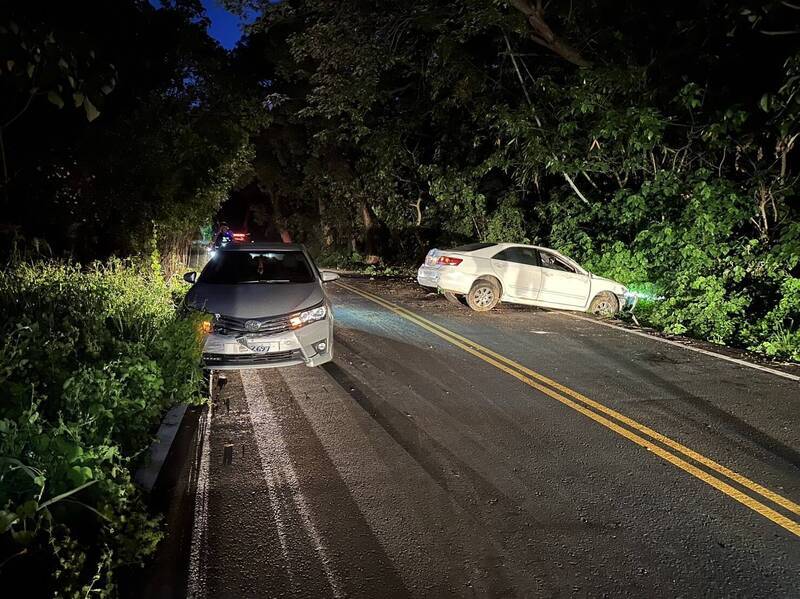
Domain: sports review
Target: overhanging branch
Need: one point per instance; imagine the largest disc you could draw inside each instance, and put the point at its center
(544, 35)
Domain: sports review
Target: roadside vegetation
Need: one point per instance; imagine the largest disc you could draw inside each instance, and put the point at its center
(121, 131)
(90, 359)
(656, 146)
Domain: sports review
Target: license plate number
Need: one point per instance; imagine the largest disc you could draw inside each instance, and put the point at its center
(253, 345)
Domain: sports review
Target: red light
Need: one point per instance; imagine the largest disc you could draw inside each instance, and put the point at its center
(239, 236)
(449, 261)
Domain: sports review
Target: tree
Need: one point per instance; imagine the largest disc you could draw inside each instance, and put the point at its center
(667, 157)
(543, 35)
(168, 133)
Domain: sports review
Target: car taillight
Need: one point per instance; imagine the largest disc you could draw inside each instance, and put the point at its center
(449, 261)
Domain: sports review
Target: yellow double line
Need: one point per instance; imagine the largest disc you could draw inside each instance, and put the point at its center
(613, 420)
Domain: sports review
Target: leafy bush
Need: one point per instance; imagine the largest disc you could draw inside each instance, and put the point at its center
(340, 259)
(90, 359)
(354, 262)
(690, 246)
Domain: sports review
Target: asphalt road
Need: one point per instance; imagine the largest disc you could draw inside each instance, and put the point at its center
(519, 453)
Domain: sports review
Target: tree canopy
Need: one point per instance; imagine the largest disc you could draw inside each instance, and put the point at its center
(117, 118)
(656, 144)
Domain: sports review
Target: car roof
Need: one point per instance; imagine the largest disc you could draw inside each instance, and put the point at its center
(263, 247)
(492, 250)
(523, 245)
(501, 246)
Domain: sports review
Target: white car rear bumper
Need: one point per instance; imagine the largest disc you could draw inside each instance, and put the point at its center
(447, 278)
(428, 276)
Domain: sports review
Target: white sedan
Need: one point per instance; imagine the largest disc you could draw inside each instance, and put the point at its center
(483, 274)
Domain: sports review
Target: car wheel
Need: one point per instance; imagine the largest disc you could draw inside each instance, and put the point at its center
(604, 304)
(451, 297)
(484, 295)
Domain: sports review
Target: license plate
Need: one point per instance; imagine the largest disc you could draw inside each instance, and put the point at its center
(254, 345)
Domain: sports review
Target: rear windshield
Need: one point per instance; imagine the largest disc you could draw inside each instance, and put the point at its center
(257, 267)
(472, 247)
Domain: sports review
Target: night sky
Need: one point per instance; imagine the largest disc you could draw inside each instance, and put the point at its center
(225, 27)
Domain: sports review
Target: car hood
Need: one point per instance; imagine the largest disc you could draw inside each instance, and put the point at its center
(610, 283)
(254, 300)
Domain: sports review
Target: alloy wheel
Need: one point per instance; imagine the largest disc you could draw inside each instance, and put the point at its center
(484, 296)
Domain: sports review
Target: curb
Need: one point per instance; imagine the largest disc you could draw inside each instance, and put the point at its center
(147, 475)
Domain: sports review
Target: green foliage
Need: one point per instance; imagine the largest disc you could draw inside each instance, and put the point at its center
(168, 135)
(36, 62)
(340, 259)
(354, 262)
(506, 223)
(89, 362)
(688, 246)
(667, 161)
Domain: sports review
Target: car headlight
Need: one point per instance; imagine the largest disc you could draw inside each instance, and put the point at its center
(308, 316)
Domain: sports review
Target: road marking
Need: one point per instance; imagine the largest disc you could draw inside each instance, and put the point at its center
(699, 350)
(277, 464)
(742, 480)
(708, 462)
(196, 584)
(530, 377)
(273, 484)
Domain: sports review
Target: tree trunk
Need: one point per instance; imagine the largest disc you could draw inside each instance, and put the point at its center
(326, 233)
(420, 250)
(277, 218)
(5, 168)
(418, 208)
(370, 234)
(544, 36)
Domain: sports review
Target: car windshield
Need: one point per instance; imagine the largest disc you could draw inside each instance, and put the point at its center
(257, 267)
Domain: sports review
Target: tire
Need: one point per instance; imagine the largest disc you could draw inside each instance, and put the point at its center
(604, 304)
(484, 295)
(451, 297)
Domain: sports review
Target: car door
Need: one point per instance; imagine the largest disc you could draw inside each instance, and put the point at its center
(519, 272)
(562, 284)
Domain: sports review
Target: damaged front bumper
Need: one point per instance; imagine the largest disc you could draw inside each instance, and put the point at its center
(628, 301)
(311, 345)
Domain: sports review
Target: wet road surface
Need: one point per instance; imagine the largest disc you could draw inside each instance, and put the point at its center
(519, 453)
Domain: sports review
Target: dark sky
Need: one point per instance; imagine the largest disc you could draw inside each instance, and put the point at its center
(225, 27)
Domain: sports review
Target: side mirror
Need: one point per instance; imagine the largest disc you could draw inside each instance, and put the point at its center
(328, 276)
(190, 277)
